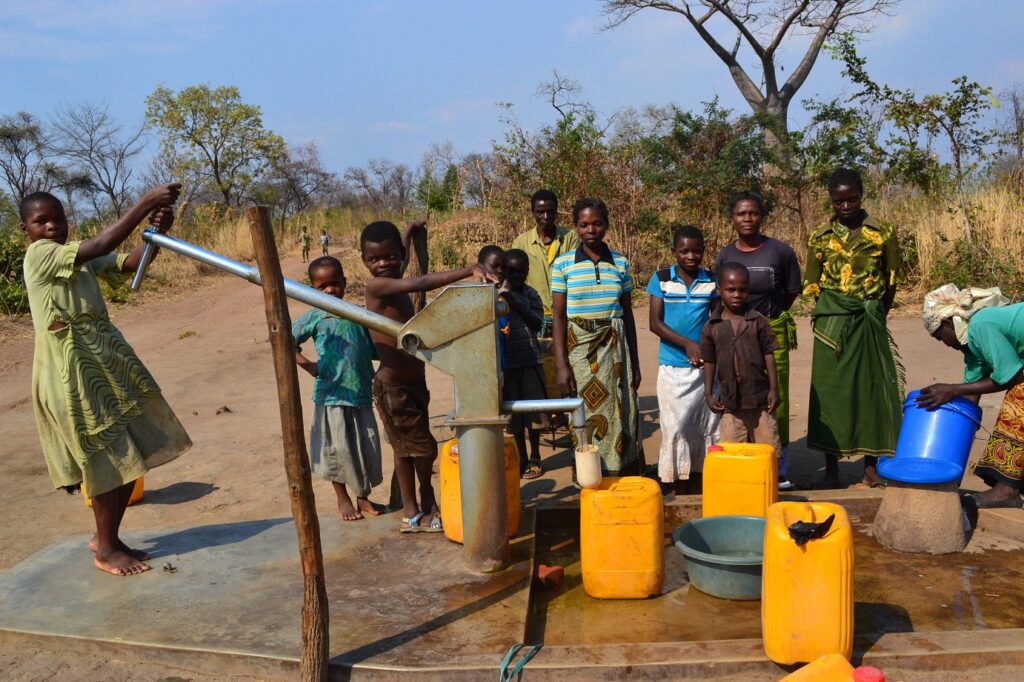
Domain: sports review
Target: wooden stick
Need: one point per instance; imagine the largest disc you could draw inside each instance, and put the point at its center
(315, 617)
(419, 263)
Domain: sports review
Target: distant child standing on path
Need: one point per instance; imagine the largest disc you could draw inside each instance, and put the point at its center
(400, 385)
(344, 445)
(739, 350)
(680, 301)
(324, 242)
(102, 419)
(524, 373)
(305, 239)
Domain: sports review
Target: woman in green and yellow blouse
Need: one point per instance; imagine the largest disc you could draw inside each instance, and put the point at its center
(852, 266)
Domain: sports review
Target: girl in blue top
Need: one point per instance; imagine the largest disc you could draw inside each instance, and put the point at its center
(680, 303)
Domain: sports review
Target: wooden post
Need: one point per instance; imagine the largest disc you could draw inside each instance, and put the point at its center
(419, 263)
(315, 617)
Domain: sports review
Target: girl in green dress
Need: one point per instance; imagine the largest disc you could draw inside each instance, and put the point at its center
(853, 263)
(101, 418)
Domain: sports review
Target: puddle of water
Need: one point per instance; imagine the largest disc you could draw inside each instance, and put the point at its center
(893, 593)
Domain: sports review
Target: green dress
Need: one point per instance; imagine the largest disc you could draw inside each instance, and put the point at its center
(856, 376)
(101, 418)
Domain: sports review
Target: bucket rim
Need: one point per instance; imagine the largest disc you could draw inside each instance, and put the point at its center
(690, 552)
(958, 405)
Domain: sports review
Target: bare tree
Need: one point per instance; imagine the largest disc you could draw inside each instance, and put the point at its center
(91, 139)
(300, 177)
(365, 185)
(24, 155)
(762, 26)
(565, 96)
(480, 173)
(402, 184)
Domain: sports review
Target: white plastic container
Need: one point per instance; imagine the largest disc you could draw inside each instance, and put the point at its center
(588, 466)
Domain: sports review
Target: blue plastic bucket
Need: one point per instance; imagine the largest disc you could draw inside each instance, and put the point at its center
(933, 445)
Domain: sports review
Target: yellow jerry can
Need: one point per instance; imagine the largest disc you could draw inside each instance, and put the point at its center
(136, 493)
(622, 539)
(807, 590)
(451, 493)
(827, 668)
(740, 479)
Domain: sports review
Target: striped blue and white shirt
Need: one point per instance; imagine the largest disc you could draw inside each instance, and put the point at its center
(685, 310)
(592, 288)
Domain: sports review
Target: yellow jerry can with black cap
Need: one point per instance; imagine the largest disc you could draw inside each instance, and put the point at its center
(807, 589)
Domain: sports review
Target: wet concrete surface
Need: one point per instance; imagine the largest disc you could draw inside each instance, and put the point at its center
(394, 598)
(893, 592)
(404, 605)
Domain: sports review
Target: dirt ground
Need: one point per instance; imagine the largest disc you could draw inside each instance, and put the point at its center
(209, 351)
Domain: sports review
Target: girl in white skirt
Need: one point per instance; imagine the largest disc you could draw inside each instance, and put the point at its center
(680, 303)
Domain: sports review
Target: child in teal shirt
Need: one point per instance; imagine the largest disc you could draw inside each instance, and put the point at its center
(344, 446)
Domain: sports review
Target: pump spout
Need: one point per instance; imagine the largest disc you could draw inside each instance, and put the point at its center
(574, 406)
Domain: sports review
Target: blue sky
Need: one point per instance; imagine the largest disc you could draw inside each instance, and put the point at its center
(386, 78)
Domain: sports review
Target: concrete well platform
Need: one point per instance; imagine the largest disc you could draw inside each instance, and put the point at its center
(403, 606)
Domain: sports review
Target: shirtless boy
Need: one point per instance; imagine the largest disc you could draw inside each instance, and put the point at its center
(400, 386)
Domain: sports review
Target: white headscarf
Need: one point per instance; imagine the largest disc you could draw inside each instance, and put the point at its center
(949, 301)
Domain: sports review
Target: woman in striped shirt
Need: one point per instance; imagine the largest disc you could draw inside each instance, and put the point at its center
(595, 339)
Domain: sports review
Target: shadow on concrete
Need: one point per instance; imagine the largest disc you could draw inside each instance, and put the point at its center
(176, 493)
(204, 537)
(873, 621)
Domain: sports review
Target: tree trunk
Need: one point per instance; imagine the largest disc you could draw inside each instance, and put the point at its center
(315, 618)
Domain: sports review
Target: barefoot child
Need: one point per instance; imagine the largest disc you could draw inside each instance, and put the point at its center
(101, 418)
(680, 299)
(325, 241)
(400, 386)
(305, 239)
(739, 348)
(524, 374)
(344, 447)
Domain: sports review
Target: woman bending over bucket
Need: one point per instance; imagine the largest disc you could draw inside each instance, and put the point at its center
(990, 334)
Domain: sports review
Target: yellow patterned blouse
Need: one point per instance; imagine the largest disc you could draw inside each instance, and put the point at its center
(862, 263)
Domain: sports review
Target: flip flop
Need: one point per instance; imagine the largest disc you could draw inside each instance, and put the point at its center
(412, 525)
(535, 470)
(1009, 503)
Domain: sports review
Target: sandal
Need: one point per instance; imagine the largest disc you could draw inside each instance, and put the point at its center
(412, 525)
(535, 470)
(1009, 503)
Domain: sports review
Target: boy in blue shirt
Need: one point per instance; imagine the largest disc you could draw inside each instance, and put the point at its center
(680, 298)
(344, 446)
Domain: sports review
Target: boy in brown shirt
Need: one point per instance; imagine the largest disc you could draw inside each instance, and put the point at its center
(738, 344)
(400, 385)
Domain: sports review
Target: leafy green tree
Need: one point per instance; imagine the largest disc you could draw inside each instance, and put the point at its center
(702, 159)
(214, 130)
(957, 116)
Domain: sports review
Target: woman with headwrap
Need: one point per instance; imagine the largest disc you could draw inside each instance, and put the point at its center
(990, 334)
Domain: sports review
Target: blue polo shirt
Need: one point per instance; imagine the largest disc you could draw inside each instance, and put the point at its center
(685, 310)
(592, 288)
